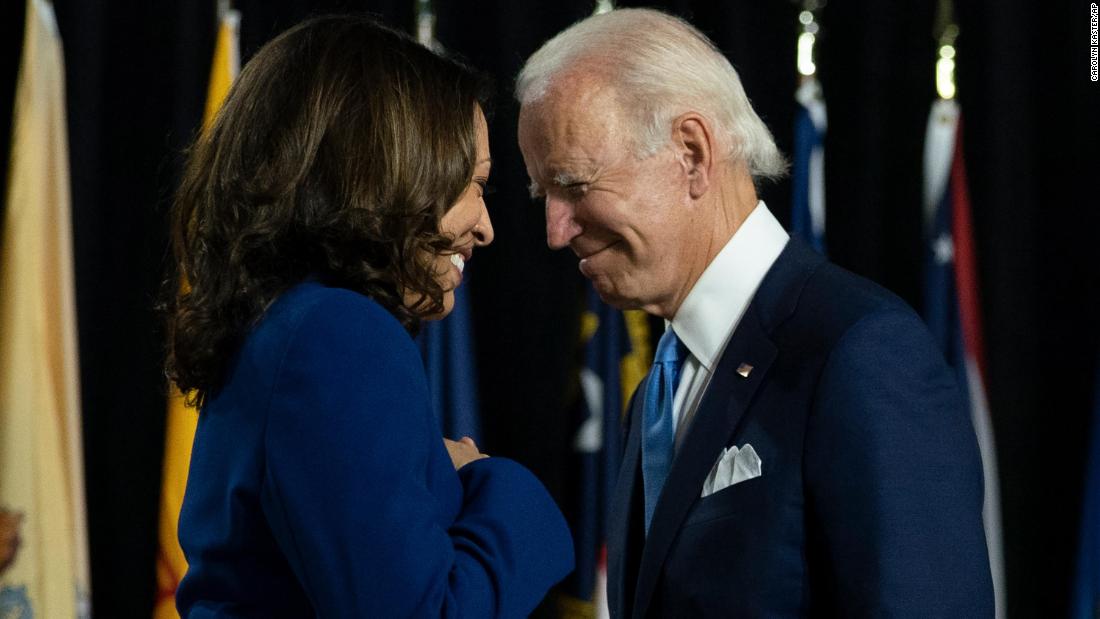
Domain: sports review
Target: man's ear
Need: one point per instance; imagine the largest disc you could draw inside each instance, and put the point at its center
(695, 150)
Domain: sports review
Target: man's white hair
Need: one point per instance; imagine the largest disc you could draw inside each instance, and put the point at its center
(659, 67)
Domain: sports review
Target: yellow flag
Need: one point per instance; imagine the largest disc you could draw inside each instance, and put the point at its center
(171, 564)
(635, 365)
(227, 64)
(43, 534)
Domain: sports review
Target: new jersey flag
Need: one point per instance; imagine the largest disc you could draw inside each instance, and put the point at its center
(182, 420)
(952, 307)
(43, 535)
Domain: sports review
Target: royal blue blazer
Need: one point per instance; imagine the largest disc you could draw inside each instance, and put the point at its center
(870, 499)
(320, 486)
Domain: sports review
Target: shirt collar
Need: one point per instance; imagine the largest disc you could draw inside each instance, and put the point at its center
(714, 306)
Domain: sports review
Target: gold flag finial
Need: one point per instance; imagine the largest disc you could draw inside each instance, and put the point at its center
(946, 33)
(808, 36)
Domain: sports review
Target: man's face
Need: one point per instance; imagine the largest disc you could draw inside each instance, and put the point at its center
(628, 220)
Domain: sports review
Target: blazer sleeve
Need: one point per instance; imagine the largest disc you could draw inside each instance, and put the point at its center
(350, 445)
(894, 479)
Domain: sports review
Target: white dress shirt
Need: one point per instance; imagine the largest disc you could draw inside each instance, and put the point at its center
(713, 308)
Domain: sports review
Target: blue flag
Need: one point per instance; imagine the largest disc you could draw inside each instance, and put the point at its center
(808, 169)
(1086, 588)
(616, 350)
(449, 358)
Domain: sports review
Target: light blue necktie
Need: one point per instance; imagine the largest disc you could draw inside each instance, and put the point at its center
(657, 437)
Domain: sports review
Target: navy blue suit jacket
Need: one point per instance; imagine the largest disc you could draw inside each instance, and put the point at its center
(320, 485)
(870, 498)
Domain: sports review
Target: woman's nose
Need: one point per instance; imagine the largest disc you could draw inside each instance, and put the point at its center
(483, 231)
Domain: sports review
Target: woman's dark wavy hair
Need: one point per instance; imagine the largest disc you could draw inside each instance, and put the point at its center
(335, 155)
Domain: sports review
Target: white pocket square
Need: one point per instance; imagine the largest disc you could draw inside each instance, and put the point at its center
(734, 466)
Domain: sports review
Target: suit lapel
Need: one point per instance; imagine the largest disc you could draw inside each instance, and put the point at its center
(724, 403)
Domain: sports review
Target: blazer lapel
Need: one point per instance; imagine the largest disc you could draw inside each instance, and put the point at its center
(724, 403)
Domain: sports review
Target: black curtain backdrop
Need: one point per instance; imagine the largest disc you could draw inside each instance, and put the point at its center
(137, 75)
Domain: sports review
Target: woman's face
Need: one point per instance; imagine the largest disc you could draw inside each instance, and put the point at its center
(467, 222)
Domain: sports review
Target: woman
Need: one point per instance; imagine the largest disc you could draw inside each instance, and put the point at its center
(329, 209)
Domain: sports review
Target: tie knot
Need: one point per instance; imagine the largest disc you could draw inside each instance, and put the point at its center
(670, 349)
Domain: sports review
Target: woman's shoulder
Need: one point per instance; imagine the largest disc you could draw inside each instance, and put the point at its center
(321, 316)
(311, 303)
(328, 340)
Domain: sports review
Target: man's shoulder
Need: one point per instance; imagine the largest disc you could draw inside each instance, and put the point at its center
(826, 300)
(853, 295)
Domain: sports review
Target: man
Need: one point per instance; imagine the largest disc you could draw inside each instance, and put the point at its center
(800, 447)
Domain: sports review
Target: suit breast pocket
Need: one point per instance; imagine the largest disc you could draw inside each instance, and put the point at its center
(742, 498)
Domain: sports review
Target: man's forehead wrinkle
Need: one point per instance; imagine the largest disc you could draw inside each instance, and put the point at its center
(585, 142)
(576, 126)
(581, 91)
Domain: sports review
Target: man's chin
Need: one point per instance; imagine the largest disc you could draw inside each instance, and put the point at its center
(612, 296)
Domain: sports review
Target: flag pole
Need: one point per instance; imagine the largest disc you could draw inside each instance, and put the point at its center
(811, 123)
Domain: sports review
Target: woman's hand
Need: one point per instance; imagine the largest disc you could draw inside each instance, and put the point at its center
(463, 452)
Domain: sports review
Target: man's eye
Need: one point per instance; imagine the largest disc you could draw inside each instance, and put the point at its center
(576, 190)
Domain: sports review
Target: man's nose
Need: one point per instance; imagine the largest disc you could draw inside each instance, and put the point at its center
(561, 225)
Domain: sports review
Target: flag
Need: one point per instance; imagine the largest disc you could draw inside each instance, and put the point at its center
(447, 347)
(182, 420)
(616, 358)
(226, 64)
(1086, 589)
(808, 170)
(952, 307)
(43, 530)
